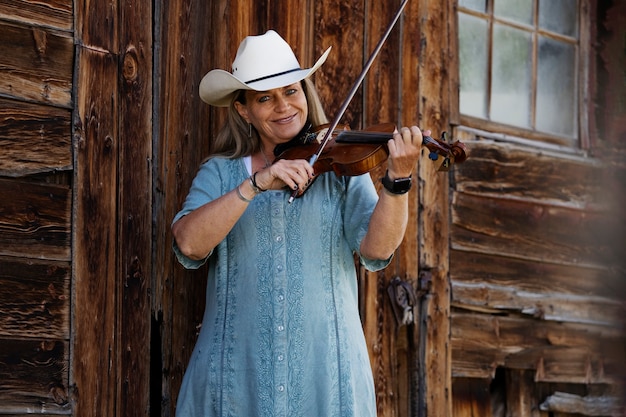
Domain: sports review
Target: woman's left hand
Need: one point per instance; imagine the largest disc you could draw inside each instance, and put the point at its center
(404, 151)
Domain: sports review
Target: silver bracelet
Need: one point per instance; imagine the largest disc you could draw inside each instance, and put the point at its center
(241, 196)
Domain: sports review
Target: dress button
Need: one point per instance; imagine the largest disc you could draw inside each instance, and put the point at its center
(281, 358)
(281, 297)
(281, 388)
(281, 328)
(279, 238)
(279, 268)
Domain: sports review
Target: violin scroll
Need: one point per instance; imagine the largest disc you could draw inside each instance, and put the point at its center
(451, 153)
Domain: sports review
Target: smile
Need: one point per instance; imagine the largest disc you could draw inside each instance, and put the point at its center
(286, 119)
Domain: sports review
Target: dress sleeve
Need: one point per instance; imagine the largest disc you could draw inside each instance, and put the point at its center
(206, 187)
(361, 199)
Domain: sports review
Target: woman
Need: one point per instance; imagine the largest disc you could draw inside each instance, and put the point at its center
(281, 334)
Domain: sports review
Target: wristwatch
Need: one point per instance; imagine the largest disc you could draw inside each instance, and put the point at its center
(397, 186)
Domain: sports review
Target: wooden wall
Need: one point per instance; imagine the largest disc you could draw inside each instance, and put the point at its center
(536, 262)
(514, 257)
(36, 70)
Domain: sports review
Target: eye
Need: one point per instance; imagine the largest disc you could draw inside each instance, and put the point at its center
(263, 99)
(291, 91)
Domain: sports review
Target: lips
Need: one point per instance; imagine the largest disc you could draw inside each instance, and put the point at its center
(288, 119)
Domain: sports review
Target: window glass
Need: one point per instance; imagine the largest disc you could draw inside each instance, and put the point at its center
(559, 16)
(512, 76)
(517, 10)
(556, 87)
(478, 5)
(519, 67)
(473, 68)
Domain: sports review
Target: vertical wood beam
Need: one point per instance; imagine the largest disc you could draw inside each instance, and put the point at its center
(94, 355)
(434, 325)
(113, 217)
(134, 213)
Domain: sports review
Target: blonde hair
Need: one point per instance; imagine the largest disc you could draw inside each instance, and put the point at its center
(235, 139)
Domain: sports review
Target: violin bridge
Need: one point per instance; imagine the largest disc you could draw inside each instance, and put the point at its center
(319, 137)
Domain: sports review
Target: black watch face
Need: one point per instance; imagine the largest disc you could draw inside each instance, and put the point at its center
(397, 186)
(401, 184)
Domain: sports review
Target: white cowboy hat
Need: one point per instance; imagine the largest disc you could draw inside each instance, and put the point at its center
(263, 62)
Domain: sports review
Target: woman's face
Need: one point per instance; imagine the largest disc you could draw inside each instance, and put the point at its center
(278, 115)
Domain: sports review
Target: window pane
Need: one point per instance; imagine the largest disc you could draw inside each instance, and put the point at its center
(473, 65)
(518, 10)
(556, 87)
(559, 16)
(511, 73)
(478, 5)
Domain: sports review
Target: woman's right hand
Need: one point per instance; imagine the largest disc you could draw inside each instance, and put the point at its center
(293, 174)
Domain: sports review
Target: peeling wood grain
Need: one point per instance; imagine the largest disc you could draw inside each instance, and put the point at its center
(524, 230)
(555, 307)
(557, 352)
(35, 298)
(512, 171)
(590, 405)
(523, 275)
(35, 220)
(51, 13)
(36, 64)
(34, 376)
(34, 138)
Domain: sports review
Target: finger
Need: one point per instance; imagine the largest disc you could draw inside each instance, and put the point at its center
(416, 136)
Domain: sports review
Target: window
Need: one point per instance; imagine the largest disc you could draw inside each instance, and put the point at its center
(519, 66)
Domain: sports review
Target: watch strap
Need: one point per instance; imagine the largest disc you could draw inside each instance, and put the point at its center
(397, 186)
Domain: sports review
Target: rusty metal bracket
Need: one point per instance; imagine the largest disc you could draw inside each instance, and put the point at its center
(424, 283)
(402, 298)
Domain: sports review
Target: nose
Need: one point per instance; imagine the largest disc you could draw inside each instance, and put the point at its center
(282, 104)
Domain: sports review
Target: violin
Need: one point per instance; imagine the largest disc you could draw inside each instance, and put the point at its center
(350, 153)
(356, 152)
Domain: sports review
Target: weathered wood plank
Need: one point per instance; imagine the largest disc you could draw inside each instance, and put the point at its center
(517, 172)
(534, 277)
(471, 397)
(34, 376)
(35, 220)
(185, 128)
(345, 62)
(381, 96)
(591, 405)
(95, 351)
(135, 208)
(97, 25)
(36, 64)
(559, 352)
(35, 298)
(556, 307)
(519, 396)
(434, 361)
(292, 20)
(532, 231)
(51, 13)
(34, 138)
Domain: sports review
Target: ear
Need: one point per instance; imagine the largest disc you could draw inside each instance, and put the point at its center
(242, 110)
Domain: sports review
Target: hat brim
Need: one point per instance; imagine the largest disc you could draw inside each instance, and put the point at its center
(218, 86)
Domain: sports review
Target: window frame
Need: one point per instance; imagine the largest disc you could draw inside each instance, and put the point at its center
(578, 142)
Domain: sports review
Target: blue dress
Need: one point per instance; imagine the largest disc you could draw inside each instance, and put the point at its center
(281, 333)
